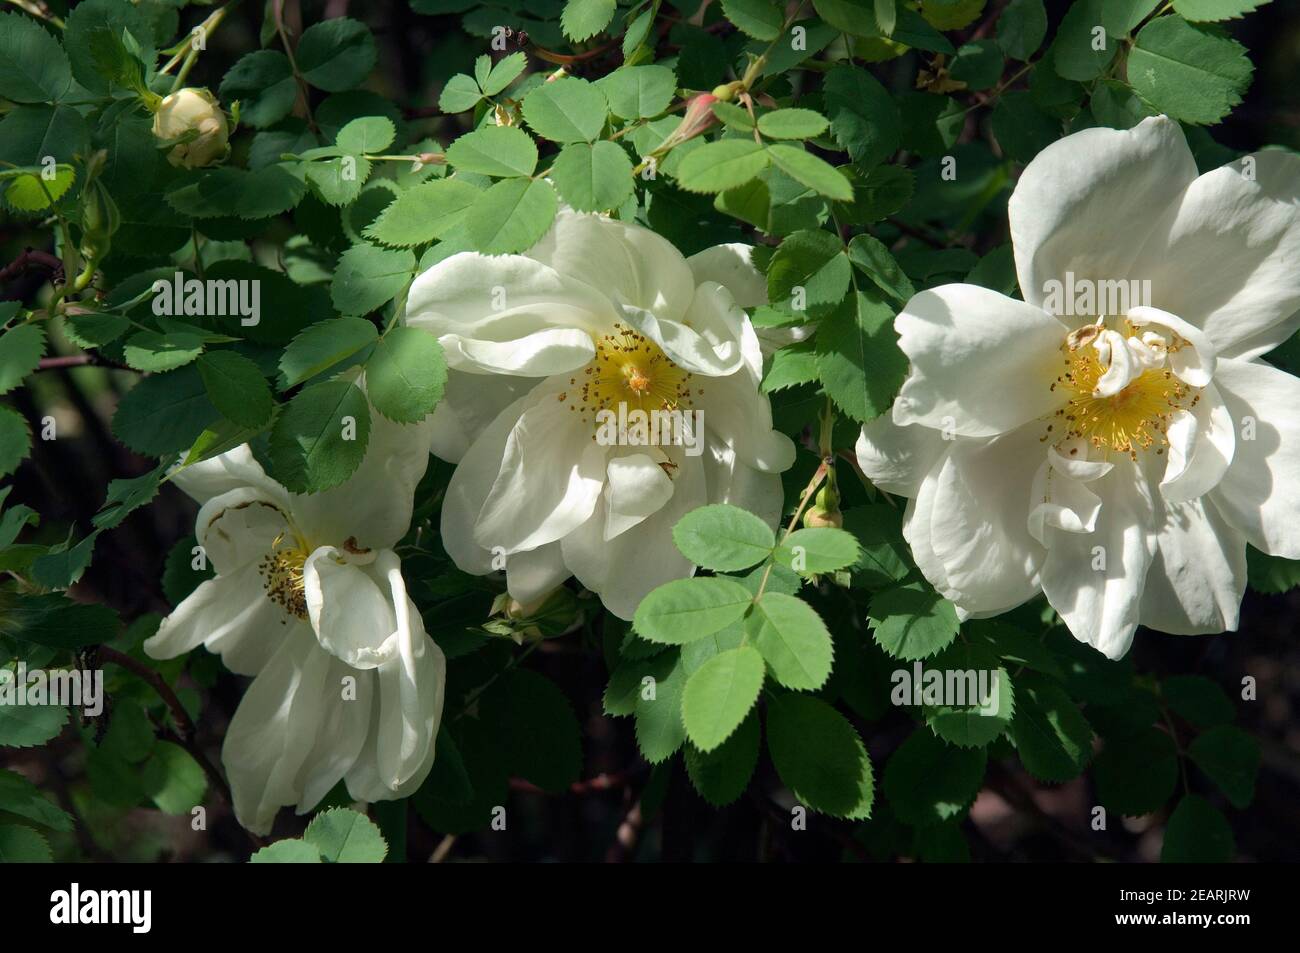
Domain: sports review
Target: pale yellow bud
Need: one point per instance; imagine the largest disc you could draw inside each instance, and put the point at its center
(192, 109)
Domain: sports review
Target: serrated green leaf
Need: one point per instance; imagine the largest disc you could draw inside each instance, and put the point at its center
(368, 277)
(15, 440)
(719, 694)
(423, 213)
(19, 796)
(154, 352)
(793, 641)
(21, 350)
(1051, 735)
(511, 216)
(758, 18)
(658, 711)
(684, 610)
(1188, 73)
(593, 176)
(494, 150)
(860, 362)
(1197, 833)
(819, 756)
(406, 374)
(33, 66)
(818, 174)
(263, 83)
(583, 19)
(1021, 28)
(1231, 758)
(22, 726)
(721, 165)
(929, 782)
(336, 54)
(566, 110)
(323, 345)
(723, 538)
(912, 621)
(344, 836)
(639, 92)
(975, 701)
(721, 775)
(236, 387)
(864, 116)
(320, 437)
(460, 93)
(1136, 772)
(1213, 10)
(817, 550)
(290, 851)
(368, 134)
(22, 845)
(793, 123)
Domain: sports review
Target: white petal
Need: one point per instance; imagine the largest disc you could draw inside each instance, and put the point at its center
(1202, 442)
(1095, 580)
(350, 606)
(345, 717)
(982, 363)
(737, 415)
(532, 575)
(1121, 364)
(636, 487)
(231, 615)
(897, 458)
(550, 476)
(728, 480)
(238, 527)
(632, 265)
(1061, 499)
(732, 267)
(1198, 575)
(274, 730)
(1195, 361)
(1260, 494)
(231, 470)
(1224, 257)
(706, 342)
(979, 521)
(468, 406)
(1086, 203)
(537, 354)
(373, 506)
(622, 570)
(502, 298)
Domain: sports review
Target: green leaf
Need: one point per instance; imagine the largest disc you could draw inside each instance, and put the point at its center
(861, 365)
(338, 181)
(719, 694)
(423, 213)
(792, 124)
(290, 851)
(723, 538)
(321, 346)
(986, 703)
(1121, 16)
(930, 782)
(505, 72)
(1197, 833)
(809, 273)
(511, 216)
(1230, 757)
(1197, 699)
(864, 116)
(1136, 772)
(566, 110)
(793, 641)
(1021, 28)
(320, 437)
(758, 18)
(263, 83)
(96, 17)
(19, 796)
(33, 66)
(1051, 735)
(163, 413)
(406, 374)
(804, 167)
(236, 387)
(1075, 55)
(658, 709)
(684, 610)
(819, 756)
(537, 731)
(21, 350)
(874, 260)
(19, 844)
(818, 550)
(721, 775)
(583, 19)
(494, 150)
(593, 177)
(368, 277)
(912, 621)
(1213, 10)
(22, 726)
(460, 93)
(15, 440)
(173, 779)
(1022, 129)
(851, 16)
(344, 836)
(1271, 574)
(639, 92)
(336, 54)
(154, 352)
(126, 496)
(791, 366)
(721, 165)
(93, 329)
(878, 530)
(978, 64)
(1188, 73)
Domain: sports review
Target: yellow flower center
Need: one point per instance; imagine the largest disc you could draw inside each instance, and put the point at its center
(282, 574)
(1136, 418)
(628, 369)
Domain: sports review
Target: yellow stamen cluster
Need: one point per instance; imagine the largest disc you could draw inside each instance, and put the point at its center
(1136, 418)
(282, 574)
(629, 369)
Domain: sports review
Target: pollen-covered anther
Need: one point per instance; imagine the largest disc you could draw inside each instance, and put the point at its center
(632, 370)
(282, 575)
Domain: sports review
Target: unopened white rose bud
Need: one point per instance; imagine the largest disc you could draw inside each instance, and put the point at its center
(192, 109)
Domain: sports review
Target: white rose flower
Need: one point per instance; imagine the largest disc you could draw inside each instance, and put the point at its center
(309, 598)
(545, 348)
(1115, 446)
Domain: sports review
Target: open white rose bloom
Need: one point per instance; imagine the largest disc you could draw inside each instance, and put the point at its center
(309, 598)
(1115, 455)
(553, 356)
